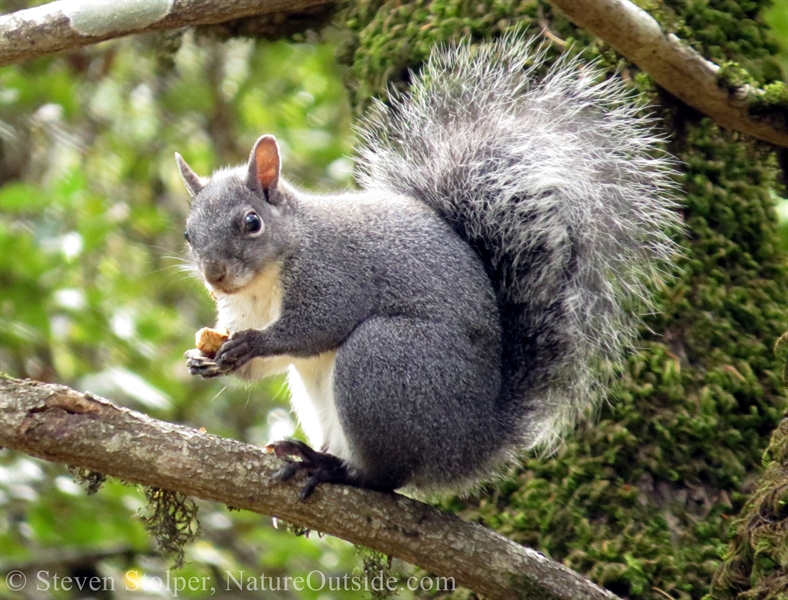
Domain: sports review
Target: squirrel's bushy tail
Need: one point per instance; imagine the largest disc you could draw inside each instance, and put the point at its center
(561, 187)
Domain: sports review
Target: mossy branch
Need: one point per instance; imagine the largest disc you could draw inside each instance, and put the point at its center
(678, 68)
(61, 26)
(68, 25)
(61, 425)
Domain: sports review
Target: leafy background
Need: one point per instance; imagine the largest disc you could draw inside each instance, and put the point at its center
(95, 293)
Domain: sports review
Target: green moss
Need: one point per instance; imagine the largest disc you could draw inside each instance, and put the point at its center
(772, 103)
(375, 564)
(781, 352)
(172, 520)
(769, 102)
(725, 29)
(389, 38)
(641, 500)
(776, 93)
(732, 75)
(91, 480)
(756, 564)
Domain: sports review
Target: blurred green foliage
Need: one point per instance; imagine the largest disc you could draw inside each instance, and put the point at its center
(777, 17)
(96, 295)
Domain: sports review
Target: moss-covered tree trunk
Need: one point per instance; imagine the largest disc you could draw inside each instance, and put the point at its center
(642, 499)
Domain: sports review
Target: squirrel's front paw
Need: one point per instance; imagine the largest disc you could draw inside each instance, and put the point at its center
(242, 347)
(202, 365)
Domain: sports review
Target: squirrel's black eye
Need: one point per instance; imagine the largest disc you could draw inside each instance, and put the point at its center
(186, 237)
(253, 224)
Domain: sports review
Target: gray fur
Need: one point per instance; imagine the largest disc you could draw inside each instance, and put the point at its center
(562, 189)
(472, 288)
(193, 183)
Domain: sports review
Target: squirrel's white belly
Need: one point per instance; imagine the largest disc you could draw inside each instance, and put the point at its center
(311, 380)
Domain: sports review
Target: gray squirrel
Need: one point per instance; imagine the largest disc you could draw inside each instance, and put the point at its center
(463, 306)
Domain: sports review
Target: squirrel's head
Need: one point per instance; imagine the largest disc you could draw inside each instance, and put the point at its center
(237, 224)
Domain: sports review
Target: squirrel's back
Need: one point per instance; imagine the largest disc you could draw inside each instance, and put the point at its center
(462, 307)
(561, 188)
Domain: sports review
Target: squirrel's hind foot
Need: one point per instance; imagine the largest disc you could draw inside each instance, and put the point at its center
(321, 467)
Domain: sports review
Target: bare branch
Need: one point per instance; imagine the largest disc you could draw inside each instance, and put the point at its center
(61, 425)
(673, 64)
(71, 24)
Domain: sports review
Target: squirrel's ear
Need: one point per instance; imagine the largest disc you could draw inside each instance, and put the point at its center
(194, 183)
(264, 165)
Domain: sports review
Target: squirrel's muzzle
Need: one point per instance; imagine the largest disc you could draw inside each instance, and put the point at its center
(215, 272)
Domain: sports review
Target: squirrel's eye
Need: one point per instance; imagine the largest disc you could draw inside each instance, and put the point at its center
(253, 223)
(186, 237)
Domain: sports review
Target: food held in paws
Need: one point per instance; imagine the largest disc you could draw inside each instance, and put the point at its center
(208, 341)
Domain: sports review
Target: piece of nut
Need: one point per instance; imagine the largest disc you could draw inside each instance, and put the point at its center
(208, 341)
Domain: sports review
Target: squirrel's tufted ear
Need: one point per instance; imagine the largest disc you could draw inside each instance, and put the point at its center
(264, 165)
(194, 183)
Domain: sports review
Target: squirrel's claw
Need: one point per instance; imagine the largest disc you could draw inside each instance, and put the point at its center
(320, 466)
(202, 365)
(237, 351)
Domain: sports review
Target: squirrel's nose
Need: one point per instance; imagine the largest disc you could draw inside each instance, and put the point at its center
(215, 271)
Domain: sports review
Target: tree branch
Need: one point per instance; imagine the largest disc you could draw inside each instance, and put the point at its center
(58, 424)
(69, 24)
(672, 64)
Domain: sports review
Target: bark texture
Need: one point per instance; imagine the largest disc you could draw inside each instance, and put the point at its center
(681, 70)
(674, 65)
(59, 26)
(61, 425)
